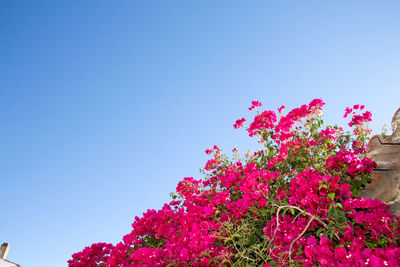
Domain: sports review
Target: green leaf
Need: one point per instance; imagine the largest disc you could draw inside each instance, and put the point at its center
(225, 261)
(342, 214)
(273, 263)
(371, 245)
(292, 211)
(284, 213)
(331, 196)
(322, 186)
(331, 233)
(320, 230)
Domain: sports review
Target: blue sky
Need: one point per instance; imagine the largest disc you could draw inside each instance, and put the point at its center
(106, 105)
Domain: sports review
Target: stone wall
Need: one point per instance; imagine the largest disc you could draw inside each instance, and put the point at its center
(385, 151)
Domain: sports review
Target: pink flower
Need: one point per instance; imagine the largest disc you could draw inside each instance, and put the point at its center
(255, 104)
(209, 211)
(281, 108)
(263, 121)
(367, 116)
(239, 123)
(316, 103)
(184, 254)
(347, 112)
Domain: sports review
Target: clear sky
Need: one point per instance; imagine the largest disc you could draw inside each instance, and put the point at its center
(106, 105)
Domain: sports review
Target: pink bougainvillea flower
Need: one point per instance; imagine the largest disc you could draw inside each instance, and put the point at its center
(239, 123)
(255, 104)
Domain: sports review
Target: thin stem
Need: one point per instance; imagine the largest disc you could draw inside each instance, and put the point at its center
(297, 238)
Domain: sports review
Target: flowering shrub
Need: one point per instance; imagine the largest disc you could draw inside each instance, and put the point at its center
(95, 255)
(294, 202)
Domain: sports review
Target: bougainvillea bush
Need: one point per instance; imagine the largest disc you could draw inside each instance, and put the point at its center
(295, 202)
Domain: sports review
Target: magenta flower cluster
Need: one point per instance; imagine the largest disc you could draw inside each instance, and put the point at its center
(294, 202)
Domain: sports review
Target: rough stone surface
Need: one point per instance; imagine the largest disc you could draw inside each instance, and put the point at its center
(385, 151)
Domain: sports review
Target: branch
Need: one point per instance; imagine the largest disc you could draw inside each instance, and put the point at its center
(297, 238)
(309, 214)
